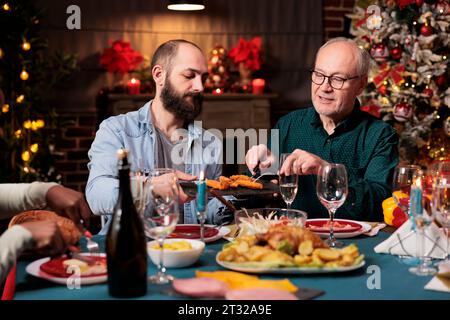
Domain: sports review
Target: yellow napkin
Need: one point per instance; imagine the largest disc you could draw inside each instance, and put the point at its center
(236, 280)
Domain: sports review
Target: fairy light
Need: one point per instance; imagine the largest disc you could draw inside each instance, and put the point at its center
(413, 86)
(34, 147)
(24, 75)
(6, 7)
(20, 98)
(1, 53)
(444, 57)
(415, 22)
(26, 45)
(18, 133)
(5, 108)
(26, 156)
(26, 169)
(40, 123)
(27, 124)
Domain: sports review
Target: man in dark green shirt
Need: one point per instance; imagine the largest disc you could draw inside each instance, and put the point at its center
(336, 131)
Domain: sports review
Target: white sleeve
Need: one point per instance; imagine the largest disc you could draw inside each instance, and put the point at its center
(12, 243)
(18, 197)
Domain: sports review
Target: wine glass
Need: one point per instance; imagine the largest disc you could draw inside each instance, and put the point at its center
(401, 189)
(441, 199)
(161, 214)
(332, 189)
(423, 219)
(288, 184)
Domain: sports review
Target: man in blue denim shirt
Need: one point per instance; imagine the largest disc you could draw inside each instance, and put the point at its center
(179, 69)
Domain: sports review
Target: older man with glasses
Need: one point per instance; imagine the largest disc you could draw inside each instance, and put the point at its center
(335, 130)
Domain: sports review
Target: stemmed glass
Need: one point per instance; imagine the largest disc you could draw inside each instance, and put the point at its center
(401, 189)
(161, 214)
(423, 219)
(288, 184)
(441, 199)
(332, 189)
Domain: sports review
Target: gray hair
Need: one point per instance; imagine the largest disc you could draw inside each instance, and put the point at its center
(363, 57)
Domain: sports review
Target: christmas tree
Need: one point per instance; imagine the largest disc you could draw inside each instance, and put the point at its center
(409, 79)
(28, 74)
(218, 69)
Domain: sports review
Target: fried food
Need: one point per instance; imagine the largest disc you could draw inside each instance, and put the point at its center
(288, 246)
(235, 181)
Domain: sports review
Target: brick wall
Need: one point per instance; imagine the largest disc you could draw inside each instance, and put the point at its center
(78, 131)
(333, 17)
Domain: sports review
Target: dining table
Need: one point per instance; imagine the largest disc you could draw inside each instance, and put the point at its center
(383, 277)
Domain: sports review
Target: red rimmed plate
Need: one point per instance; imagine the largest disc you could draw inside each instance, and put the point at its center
(323, 226)
(192, 231)
(56, 267)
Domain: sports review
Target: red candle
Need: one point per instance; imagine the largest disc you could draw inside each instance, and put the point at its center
(134, 86)
(217, 91)
(258, 86)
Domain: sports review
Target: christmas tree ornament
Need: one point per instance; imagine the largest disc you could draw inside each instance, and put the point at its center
(446, 126)
(396, 52)
(403, 112)
(426, 30)
(382, 89)
(218, 68)
(428, 92)
(441, 81)
(379, 52)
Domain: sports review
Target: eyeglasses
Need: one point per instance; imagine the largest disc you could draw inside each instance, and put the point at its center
(334, 81)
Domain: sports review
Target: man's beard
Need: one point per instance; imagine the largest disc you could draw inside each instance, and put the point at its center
(179, 106)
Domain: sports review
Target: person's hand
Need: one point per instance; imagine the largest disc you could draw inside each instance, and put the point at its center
(260, 156)
(302, 163)
(69, 203)
(47, 236)
(162, 185)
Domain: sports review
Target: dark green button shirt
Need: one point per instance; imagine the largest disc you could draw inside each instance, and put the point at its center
(365, 145)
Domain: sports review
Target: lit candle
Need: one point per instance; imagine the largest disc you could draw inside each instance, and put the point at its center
(258, 86)
(201, 193)
(416, 197)
(134, 86)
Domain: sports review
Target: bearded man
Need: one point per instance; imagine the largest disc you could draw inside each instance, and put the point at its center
(161, 134)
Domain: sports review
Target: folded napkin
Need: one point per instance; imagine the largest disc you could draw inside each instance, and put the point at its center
(434, 248)
(441, 282)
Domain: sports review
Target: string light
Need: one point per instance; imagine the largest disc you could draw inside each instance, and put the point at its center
(26, 45)
(5, 108)
(20, 98)
(18, 133)
(34, 147)
(6, 7)
(24, 75)
(27, 124)
(1, 53)
(415, 22)
(40, 123)
(26, 169)
(443, 57)
(34, 126)
(26, 156)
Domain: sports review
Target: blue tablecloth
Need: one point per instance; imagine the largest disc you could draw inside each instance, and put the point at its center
(395, 281)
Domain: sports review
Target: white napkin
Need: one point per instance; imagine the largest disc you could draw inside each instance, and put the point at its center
(441, 282)
(391, 245)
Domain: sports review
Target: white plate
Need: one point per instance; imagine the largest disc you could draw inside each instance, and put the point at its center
(365, 227)
(34, 269)
(223, 231)
(251, 268)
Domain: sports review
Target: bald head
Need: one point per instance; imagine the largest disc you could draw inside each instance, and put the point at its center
(349, 52)
(167, 53)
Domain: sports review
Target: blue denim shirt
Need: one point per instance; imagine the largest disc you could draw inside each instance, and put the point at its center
(134, 131)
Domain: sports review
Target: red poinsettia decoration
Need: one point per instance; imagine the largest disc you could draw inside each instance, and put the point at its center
(120, 58)
(248, 52)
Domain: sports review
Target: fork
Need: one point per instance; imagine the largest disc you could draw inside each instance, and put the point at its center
(91, 245)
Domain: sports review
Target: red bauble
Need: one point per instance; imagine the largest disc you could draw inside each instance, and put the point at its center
(396, 53)
(440, 81)
(428, 92)
(403, 112)
(419, 3)
(379, 52)
(426, 30)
